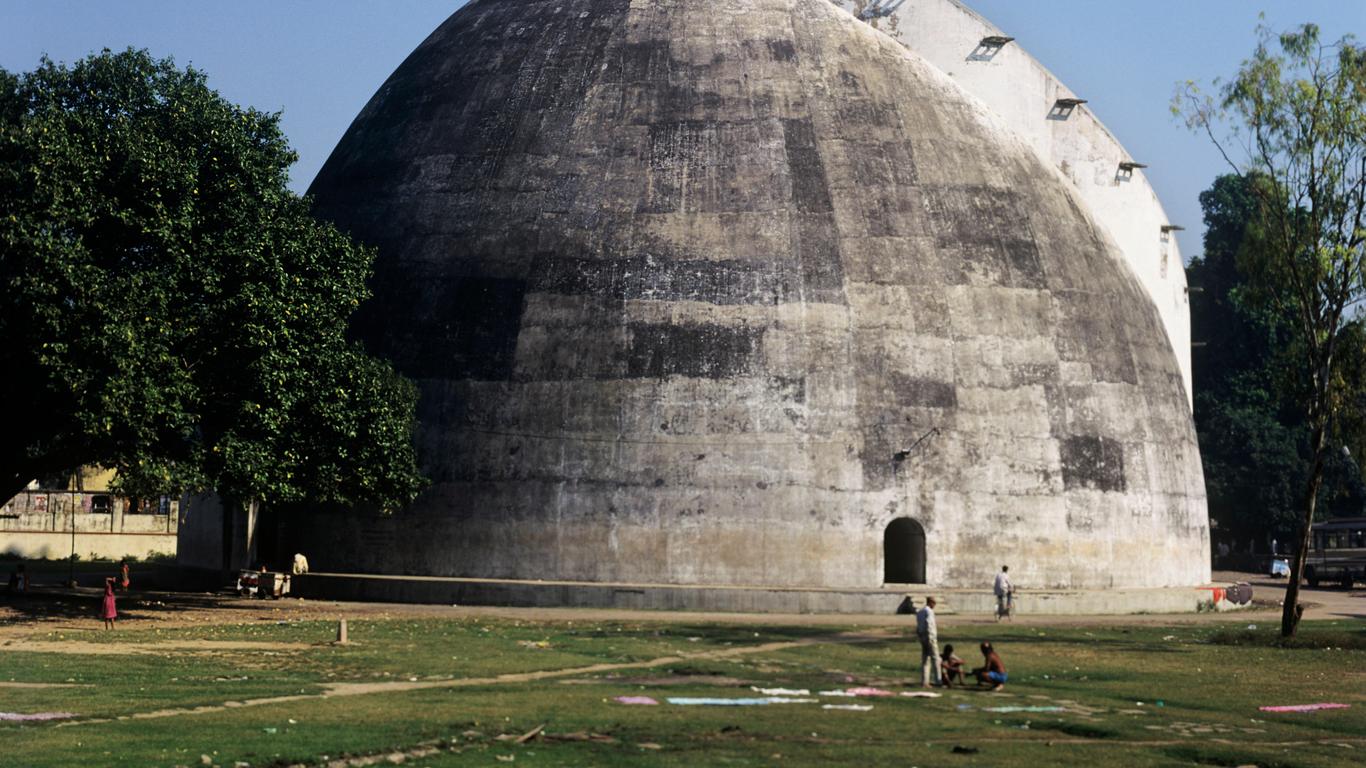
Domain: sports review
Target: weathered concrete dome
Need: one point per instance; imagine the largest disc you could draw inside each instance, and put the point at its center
(741, 292)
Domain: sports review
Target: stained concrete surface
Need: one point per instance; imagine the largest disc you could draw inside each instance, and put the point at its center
(681, 283)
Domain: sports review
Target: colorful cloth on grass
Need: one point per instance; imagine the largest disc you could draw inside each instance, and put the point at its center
(750, 702)
(636, 700)
(851, 692)
(16, 717)
(849, 707)
(1022, 709)
(781, 691)
(1304, 707)
(921, 694)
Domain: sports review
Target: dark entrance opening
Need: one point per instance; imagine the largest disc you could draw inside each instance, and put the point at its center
(903, 552)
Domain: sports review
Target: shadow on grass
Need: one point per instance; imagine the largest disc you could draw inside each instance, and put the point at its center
(61, 605)
(1225, 757)
(1307, 639)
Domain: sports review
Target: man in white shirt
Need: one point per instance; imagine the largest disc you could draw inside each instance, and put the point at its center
(928, 633)
(1004, 592)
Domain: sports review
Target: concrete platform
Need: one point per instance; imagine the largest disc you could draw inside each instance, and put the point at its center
(753, 599)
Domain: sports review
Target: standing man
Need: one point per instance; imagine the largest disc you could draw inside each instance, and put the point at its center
(1004, 592)
(928, 633)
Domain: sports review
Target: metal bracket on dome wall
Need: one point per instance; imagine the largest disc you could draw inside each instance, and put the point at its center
(1063, 108)
(1126, 170)
(905, 453)
(989, 46)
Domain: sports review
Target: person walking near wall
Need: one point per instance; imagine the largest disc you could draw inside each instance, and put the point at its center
(1005, 593)
(928, 633)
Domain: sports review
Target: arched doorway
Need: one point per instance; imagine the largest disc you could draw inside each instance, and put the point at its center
(903, 552)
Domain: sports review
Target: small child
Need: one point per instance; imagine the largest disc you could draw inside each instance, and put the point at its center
(108, 611)
(950, 667)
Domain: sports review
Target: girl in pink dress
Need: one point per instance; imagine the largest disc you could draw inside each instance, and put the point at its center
(107, 611)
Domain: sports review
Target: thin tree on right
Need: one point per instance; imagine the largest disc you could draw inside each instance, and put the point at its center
(1292, 122)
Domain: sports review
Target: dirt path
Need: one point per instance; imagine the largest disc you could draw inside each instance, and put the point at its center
(124, 649)
(67, 613)
(337, 690)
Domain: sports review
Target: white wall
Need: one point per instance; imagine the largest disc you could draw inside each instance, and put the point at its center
(1022, 92)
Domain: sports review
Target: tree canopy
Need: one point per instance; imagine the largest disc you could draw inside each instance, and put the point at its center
(1249, 390)
(1297, 110)
(170, 308)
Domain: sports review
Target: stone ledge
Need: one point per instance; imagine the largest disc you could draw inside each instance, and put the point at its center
(751, 599)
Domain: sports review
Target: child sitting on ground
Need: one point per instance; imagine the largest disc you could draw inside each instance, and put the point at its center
(950, 667)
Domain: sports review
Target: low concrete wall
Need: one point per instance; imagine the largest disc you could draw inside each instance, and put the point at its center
(90, 546)
(758, 599)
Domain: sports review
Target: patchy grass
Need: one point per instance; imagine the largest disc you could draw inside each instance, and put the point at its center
(1311, 637)
(1150, 696)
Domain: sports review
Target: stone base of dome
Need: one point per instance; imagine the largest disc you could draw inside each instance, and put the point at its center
(748, 599)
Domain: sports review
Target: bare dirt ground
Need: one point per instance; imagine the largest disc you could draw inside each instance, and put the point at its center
(72, 612)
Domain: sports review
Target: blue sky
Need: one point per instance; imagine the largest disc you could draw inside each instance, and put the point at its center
(318, 61)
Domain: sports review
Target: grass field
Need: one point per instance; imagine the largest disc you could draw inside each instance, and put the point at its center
(447, 692)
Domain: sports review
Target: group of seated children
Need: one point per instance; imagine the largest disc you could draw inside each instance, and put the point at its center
(992, 672)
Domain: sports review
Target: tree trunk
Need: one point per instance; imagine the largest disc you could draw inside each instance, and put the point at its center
(1290, 613)
(230, 505)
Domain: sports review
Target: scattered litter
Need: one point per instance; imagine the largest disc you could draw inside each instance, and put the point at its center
(636, 700)
(601, 738)
(1169, 637)
(851, 692)
(921, 694)
(1252, 626)
(964, 707)
(534, 643)
(1304, 707)
(868, 692)
(1022, 709)
(849, 707)
(648, 745)
(781, 691)
(531, 734)
(271, 731)
(15, 717)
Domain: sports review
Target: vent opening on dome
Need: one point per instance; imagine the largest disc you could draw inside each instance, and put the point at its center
(1063, 108)
(990, 45)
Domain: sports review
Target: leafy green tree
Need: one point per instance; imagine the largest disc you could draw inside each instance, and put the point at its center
(1254, 441)
(1298, 107)
(171, 309)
